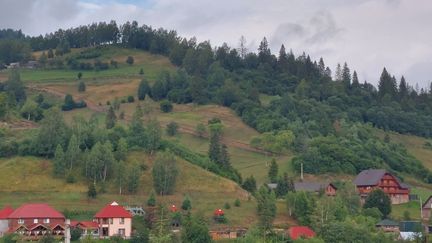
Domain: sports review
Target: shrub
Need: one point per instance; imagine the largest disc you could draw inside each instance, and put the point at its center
(227, 205)
(166, 106)
(91, 192)
(81, 87)
(130, 99)
(70, 178)
(171, 128)
(237, 203)
(130, 60)
(186, 205)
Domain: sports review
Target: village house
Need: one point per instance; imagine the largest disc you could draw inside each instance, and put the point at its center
(388, 225)
(88, 228)
(426, 208)
(114, 220)
(369, 180)
(4, 221)
(227, 233)
(33, 221)
(316, 187)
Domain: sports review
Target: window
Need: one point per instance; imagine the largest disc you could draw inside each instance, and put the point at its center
(46, 221)
(121, 232)
(121, 220)
(20, 221)
(35, 221)
(111, 221)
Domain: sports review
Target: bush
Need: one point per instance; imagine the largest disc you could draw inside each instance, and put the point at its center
(171, 128)
(227, 205)
(130, 60)
(91, 192)
(130, 99)
(214, 120)
(166, 106)
(75, 234)
(151, 201)
(81, 87)
(70, 178)
(186, 205)
(237, 203)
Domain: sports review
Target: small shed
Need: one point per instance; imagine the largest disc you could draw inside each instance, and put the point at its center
(388, 225)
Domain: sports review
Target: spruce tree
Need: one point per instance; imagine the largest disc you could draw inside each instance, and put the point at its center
(249, 184)
(111, 118)
(214, 152)
(186, 205)
(355, 81)
(224, 157)
(91, 192)
(143, 89)
(346, 76)
(387, 85)
(273, 171)
(403, 88)
(338, 74)
(266, 208)
(151, 201)
(282, 60)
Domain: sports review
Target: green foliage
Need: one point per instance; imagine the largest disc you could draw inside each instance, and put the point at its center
(273, 171)
(301, 205)
(70, 104)
(266, 208)
(227, 205)
(111, 118)
(151, 201)
(53, 132)
(133, 182)
(274, 142)
(73, 152)
(79, 76)
(154, 135)
(378, 199)
(15, 87)
(195, 230)
(200, 130)
(186, 204)
(141, 71)
(143, 89)
(249, 184)
(165, 173)
(59, 162)
(130, 99)
(171, 128)
(130, 60)
(31, 111)
(91, 191)
(373, 213)
(166, 106)
(75, 234)
(237, 203)
(284, 185)
(122, 149)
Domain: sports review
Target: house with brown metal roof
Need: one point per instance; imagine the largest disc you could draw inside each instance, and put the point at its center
(316, 187)
(369, 180)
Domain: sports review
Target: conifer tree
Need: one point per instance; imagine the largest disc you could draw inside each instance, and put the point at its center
(249, 184)
(143, 89)
(355, 81)
(282, 60)
(91, 192)
(111, 118)
(403, 88)
(266, 208)
(346, 76)
(387, 85)
(338, 74)
(151, 201)
(273, 171)
(137, 134)
(186, 205)
(321, 66)
(215, 144)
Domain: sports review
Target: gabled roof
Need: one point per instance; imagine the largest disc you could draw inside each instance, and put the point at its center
(36, 210)
(426, 202)
(113, 210)
(5, 212)
(369, 177)
(311, 186)
(85, 224)
(296, 232)
(387, 222)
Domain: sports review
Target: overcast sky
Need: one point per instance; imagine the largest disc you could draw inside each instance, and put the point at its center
(367, 34)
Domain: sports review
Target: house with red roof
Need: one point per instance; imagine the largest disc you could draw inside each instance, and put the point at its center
(297, 232)
(88, 228)
(36, 220)
(114, 220)
(4, 221)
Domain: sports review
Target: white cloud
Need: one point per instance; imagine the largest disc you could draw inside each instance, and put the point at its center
(368, 34)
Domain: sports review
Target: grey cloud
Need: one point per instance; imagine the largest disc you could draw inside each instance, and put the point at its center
(324, 28)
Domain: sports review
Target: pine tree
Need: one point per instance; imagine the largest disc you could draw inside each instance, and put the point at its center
(266, 208)
(282, 186)
(264, 51)
(91, 192)
(250, 184)
(322, 67)
(143, 89)
(50, 53)
(242, 47)
(355, 81)
(403, 88)
(338, 74)
(59, 162)
(151, 201)
(273, 171)
(224, 157)
(111, 118)
(282, 60)
(346, 76)
(387, 85)
(186, 205)
(214, 152)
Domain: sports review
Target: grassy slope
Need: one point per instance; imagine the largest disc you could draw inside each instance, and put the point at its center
(28, 179)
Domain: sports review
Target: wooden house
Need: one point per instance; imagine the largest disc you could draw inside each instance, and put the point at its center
(388, 225)
(316, 187)
(369, 180)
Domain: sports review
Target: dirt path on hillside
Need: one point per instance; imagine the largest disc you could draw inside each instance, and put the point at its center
(182, 128)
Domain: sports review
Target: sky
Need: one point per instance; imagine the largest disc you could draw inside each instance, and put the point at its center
(367, 34)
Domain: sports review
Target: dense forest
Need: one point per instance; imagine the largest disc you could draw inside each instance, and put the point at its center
(330, 114)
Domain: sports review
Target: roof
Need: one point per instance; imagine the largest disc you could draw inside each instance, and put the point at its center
(219, 212)
(272, 185)
(311, 186)
(36, 210)
(410, 226)
(113, 210)
(5, 212)
(173, 208)
(387, 222)
(85, 224)
(296, 232)
(369, 177)
(423, 206)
